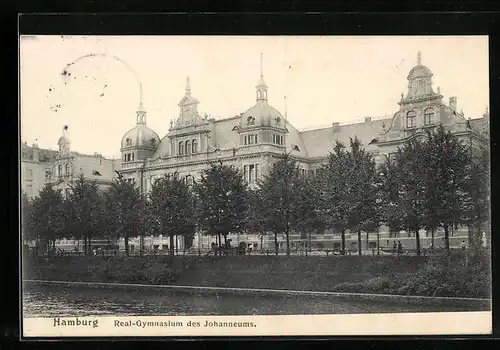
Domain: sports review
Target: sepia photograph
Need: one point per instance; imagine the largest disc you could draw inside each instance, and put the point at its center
(254, 185)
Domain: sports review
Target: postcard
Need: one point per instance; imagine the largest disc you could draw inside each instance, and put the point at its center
(254, 186)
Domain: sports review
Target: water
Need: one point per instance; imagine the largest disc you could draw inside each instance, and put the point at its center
(78, 300)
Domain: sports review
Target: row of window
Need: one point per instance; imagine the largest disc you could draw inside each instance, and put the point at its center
(278, 139)
(251, 139)
(67, 169)
(188, 147)
(411, 118)
(128, 157)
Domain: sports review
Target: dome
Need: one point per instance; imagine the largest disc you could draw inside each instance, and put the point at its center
(263, 114)
(419, 72)
(63, 139)
(140, 136)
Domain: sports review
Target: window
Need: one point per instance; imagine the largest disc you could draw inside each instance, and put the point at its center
(245, 173)
(256, 171)
(47, 175)
(278, 139)
(428, 116)
(153, 142)
(251, 139)
(68, 169)
(128, 142)
(251, 175)
(188, 147)
(133, 156)
(29, 190)
(411, 119)
(59, 170)
(194, 146)
(66, 193)
(128, 157)
(181, 148)
(28, 175)
(251, 120)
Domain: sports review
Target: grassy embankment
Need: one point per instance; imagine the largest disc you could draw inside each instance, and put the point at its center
(406, 275)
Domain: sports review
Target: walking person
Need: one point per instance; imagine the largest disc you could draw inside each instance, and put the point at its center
(400, 248)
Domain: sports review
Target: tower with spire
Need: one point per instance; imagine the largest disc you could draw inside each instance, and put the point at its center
(188, 107)
(261, 88)
(64, 143)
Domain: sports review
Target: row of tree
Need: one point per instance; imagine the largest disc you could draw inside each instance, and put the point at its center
(430, 183)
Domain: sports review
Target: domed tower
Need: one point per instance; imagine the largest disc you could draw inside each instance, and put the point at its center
(64, 143)
(262, 123)
(421, 106)
(140, 142)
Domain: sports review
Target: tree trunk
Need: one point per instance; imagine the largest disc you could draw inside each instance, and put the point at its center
(367, 241)
(176, 245)
(276, 243)
(447, 237)
(433, 233)
(261, 240)
(417, 239)
(287, 236)
(343, 241)
(172, 247)
(359, 243)
(126, 246)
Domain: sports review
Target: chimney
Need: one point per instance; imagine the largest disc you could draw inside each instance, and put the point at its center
(368, 119)
(336, 126)
(453, 103)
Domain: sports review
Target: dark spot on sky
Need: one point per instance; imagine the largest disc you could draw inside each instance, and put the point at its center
(290, 67)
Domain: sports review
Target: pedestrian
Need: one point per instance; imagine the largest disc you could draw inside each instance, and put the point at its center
(400, 248)
(463, 245)
(394, 247)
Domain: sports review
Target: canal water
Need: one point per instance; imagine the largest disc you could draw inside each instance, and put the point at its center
(48, 300)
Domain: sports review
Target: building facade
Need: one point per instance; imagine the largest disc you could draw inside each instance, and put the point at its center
(254, 139)
(251, 141)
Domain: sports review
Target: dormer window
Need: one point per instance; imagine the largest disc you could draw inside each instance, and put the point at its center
(153, 141)
(278, 120)
(251, 120)
(96, 173)
(128, 141)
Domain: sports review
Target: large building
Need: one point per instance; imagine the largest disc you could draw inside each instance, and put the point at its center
(62, 167)
(251, 141)
(254, 139)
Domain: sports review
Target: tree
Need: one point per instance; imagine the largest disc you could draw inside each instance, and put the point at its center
(27, 233)
(255, 218)
(411, 167)
(85, 214)
(47, 219)
(334, 207)
(222, 201)
(445, 172)
(477, 205)
(361, 192)
(123, 209)
(309, 218)
(388, 179)
(171, 209)
(280, 193)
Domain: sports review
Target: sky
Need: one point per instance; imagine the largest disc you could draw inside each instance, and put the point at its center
(325, 79)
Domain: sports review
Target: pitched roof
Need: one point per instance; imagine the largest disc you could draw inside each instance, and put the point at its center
(319, 142)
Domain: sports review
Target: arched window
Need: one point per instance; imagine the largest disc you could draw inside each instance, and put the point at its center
(428, 116)
(128, 141)
(153, 142)
(181, 148)
(188, 147)
(59, 170)
(411, 119)
(68, 169)
(194, 146)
